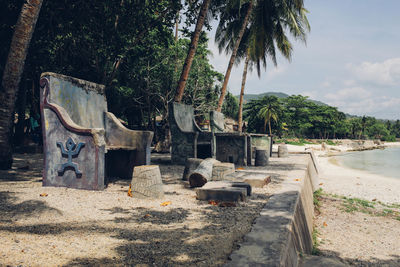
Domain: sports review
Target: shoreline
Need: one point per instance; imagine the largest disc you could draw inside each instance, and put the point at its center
(332, 159)
(342, 180)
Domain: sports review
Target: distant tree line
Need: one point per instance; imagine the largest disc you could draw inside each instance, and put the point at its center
(297, 116)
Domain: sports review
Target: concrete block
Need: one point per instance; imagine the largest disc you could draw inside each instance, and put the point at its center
(283, 151)
(146, 182)
(228, 184)
(232, 194)
(255, 179)
(220, 169)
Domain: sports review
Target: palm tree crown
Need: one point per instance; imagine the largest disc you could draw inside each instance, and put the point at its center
(265, 32)
(269, 112)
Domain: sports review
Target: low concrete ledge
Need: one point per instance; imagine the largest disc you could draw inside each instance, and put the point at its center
(284, 227)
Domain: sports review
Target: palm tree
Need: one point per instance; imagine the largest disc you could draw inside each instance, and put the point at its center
(244, 76)
(269, 112)
(272, 20)
(235, 48)
(265, 33)
(192, 50)
(12, 76)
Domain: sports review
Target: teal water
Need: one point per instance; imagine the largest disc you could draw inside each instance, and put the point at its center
(384, 162)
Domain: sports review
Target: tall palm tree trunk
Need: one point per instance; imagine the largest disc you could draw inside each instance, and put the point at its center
(192, 50)
(240, 115)
(265, 126)
(269, 126)
(12, 76)
(233, 56)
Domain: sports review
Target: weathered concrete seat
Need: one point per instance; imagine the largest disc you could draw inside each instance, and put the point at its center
(83, 142)
(235, 147)
(231, 147)
(187, 138)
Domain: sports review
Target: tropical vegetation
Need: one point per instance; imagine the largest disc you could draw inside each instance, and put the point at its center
(297, 116)
(151, 53)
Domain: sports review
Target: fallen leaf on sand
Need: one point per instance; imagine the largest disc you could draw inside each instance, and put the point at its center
(325, 224)
(166, 203)
(212, 202)
(44, 194)
(130, 191)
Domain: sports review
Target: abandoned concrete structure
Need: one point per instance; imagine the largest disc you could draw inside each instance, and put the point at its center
(83, 142)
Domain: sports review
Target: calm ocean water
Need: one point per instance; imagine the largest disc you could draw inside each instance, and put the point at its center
(385, 162)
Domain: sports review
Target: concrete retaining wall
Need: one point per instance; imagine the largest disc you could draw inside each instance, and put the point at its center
(284, 227)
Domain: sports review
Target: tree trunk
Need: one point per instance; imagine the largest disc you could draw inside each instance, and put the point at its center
(176, 43)
(12, 76)
(19, 134)
(269, 126)
(233, 57)
(265, 126)
(192, 50)
(240, 115)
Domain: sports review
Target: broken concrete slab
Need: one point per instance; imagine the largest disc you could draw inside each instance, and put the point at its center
(227, 184)
(255, 179)
(232, 194)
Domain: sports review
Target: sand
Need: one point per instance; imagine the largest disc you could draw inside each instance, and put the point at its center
(80, 227)
(341, 180)
(356, 238)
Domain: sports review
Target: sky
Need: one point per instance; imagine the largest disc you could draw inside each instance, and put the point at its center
(351, 59)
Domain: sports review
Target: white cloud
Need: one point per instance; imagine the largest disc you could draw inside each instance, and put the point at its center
(276, 71)
(349, 83)
(326, 84)
(383, 73)
(358, 101)
(346, 94)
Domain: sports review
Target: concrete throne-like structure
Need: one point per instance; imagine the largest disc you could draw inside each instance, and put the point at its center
(231, 147)
(187, 138)
(235, 147)
(84, 143)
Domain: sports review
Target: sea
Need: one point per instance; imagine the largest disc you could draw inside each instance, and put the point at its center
(384, 162)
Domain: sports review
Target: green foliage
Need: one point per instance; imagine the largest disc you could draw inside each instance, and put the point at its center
(330, 142)
(317, 198)
(374, 208)
(230, 108)
(300, 118)
(127, 45)
(204, 83)
(293, 141)
(315, 249)
(269, 112)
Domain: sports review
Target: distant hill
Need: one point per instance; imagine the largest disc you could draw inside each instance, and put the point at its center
(248, 97)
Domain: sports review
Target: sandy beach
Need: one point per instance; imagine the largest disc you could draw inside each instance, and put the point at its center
(345, 229)
(341, 180)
